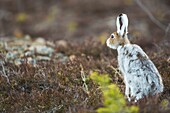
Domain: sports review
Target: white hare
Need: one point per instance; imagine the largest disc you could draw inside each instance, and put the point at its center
(140, 74)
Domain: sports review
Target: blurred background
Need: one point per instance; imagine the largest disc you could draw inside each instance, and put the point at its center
(77, 20)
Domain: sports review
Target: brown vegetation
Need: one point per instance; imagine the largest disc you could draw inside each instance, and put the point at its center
(59, 84)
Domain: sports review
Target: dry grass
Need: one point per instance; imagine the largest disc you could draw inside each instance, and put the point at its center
(59, 87)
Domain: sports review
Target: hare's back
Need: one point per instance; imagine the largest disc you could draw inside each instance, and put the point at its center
(137, 67)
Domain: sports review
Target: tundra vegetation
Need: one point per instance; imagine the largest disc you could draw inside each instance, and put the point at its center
(52, 74)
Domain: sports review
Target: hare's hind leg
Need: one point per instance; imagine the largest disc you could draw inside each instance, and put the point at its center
(127, 92)
(138, 96)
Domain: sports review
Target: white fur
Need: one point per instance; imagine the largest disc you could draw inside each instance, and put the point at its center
(110, 45)
(124, 19)
(140, 75)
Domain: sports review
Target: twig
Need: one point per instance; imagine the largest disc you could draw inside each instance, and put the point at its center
(116, 70)
(4, 73)
(167, 30)
(163, 27)
(83, 76)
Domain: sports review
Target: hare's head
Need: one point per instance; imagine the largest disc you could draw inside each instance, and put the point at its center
(120, 37)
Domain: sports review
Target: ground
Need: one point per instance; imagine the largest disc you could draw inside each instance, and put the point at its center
(52, 79)
(58, 85)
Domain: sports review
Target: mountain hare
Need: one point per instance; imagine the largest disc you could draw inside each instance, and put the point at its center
(140, 74)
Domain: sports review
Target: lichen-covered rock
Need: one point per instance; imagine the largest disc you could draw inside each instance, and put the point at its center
(26, 50)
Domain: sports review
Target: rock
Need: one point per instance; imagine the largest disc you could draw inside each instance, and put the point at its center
(41, 49)
(72, 57)
(30, 61)
(28, 51)
(44, 58)
(39, 41)
(11, 55)
(62, 43)
(61, 57)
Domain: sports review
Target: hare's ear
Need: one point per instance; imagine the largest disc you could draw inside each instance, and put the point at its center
(122, 24)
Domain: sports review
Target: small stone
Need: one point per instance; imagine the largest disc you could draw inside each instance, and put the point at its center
(17, 62)
(72, 57)
(44, 58)
(62, 43)
(44, 50)
(40, 41)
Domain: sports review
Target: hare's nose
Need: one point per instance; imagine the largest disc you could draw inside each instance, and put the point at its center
(108, 41)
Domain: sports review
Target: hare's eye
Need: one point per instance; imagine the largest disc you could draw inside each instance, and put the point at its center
(112, 36)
